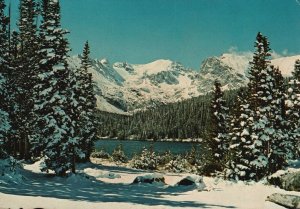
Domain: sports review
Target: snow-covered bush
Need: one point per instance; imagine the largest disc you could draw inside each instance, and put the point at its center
(118, 155)
(101, 154)
(147, 160)
(178, 164)
(164, 158)
(192, 156)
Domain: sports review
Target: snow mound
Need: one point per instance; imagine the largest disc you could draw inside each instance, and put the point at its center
(286, 179)
(288, 201)
(35, 167)
(192, 180)
(10, 171)
(100, 174)
(79, 179)
(150, 179)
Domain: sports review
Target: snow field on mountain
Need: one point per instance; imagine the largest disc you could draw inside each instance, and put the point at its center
(123, 87)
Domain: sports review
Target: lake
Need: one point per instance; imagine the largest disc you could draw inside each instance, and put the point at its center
(132, 147)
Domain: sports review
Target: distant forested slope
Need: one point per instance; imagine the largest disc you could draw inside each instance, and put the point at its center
(186, 119)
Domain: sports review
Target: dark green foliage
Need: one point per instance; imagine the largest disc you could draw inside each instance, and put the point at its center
(100, 154)
(259, 139)
(216, 143)
(147, 160)
(85, 110)
(118, 155)
(187, 119)
(27, 72)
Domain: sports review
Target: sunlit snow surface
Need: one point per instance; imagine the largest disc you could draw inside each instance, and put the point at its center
(109, 186)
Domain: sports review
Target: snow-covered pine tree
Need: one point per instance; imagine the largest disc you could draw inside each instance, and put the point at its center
(240, 147)
(262, 129)
(217, 141)
(86, 104)
(260, 100)
(14, 90)
(27, 71)
(281, 145)
(55, 104)
(293, 109)
(4, 121)
(4, 70)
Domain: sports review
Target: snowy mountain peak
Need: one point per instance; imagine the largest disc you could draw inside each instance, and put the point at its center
(154, 67)
(124, 87)
(285, 64)
(104, 62)
(239, 62)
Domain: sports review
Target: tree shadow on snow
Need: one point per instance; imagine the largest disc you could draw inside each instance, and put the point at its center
(81, 188)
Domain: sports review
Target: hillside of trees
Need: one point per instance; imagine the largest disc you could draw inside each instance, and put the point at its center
(187, 119)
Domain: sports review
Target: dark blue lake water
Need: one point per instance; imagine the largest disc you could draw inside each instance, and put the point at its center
(132, 147)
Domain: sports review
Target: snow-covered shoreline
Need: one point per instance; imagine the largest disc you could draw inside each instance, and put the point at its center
(109, 186)
(152, 140)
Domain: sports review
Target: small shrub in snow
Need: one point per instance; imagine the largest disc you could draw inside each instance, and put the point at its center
(192, 156)
(164, 158)
(101, 154)
(178, 165)
(118, 155)
(147, 160)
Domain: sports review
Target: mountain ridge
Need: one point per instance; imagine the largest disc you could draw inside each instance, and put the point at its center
(122, 87)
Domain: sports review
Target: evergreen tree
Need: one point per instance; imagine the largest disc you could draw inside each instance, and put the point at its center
(281, 145)
(217, 141)
(27, 72)
(4, 96)
(293, 108)
(15, 98)
(86, 104)
(55, 102)
(260, 130)
(240, 149)
(4, 121)
(4, 70)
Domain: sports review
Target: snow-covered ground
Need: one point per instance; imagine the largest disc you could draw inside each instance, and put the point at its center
(109, 186)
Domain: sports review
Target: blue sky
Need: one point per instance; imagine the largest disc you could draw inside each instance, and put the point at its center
(140, 31)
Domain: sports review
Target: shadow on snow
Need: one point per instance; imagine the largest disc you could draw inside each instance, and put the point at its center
(81, 188)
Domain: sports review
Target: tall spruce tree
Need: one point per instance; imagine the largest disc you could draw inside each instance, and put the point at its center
(27, 72)
(217, 141)
(87, 103)
(261, 132)
(280, 145)
(14, 90)
(4, 120)
(55, 101)
(240, 149)
(293, 108)
(4, 87)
